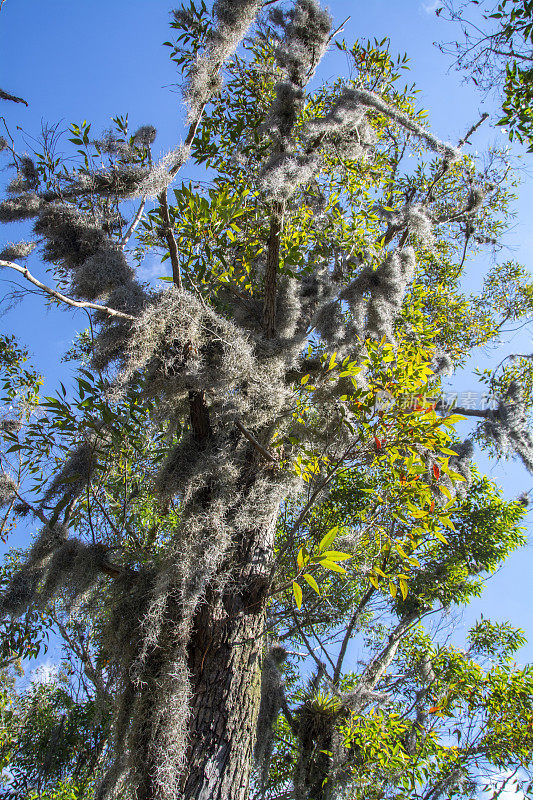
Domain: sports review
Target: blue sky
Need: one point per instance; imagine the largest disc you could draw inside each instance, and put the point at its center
(78, 60)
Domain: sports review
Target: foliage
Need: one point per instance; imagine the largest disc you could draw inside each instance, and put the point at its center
(50, 736)
(496, 52)
(255, 460)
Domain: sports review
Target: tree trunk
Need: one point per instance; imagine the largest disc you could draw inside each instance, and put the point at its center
(225, 660)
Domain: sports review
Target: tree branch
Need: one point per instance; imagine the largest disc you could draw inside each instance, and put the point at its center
(12, 97)
(199, 415)
(466, 412)
(108, 568)
(320, 664)
(170, 239)
(245, 432)
(347, 636)
(471, 130)
(137, 218)
(63, 298)
(374, 671)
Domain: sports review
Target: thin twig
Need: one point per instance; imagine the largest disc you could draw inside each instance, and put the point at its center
(339, 29)
(112, 312)
(320, 664)
(106, 566)
(190, 137)
(35, 511)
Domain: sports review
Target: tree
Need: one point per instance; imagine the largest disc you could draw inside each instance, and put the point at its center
(51, 737)
(496, 51)
(314, 304)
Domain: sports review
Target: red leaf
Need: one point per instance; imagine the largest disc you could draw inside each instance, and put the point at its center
(436, 472)
(377, 442)
(432, 506)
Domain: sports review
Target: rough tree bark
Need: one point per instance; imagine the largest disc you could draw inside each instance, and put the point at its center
(225, 658)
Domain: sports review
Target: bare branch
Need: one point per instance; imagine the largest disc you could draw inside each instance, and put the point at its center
(347, 636)
(12, 97)
(467, 412)
(170, 239)
(137, 218)
(376, 668)
(253, 440)
(471, 130)
(112, 312)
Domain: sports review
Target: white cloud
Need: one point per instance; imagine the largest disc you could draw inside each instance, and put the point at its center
(429, 8)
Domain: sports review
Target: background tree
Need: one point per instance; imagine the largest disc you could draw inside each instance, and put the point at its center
(314, 304)
(496, 51)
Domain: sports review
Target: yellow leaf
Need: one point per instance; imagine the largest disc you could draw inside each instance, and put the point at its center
(311, 581)
(300, 558)
(336, 555)
(305, 379)
(392, 589)
(328, 538)
(403, 588)
(332, 360)
(374, 581)
(331, 565)
(456, 476)
(446, 521)
(401, 551)
(446, 492)
(453, 419)
(297, 592)
(440, 537)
